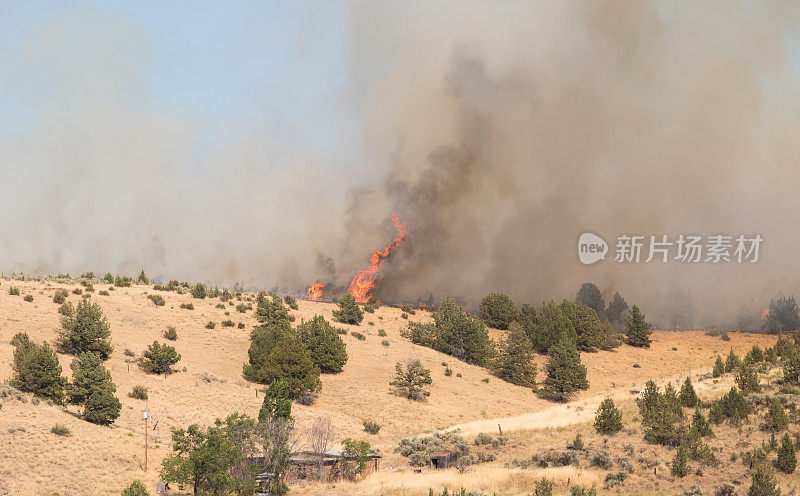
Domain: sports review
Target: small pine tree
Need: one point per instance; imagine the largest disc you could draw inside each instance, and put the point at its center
(608, 419)
(732, 362)
(791, 365)
(637, 329)
(88, 376)
(36, 369)
(327, 349)
(159, 358)
(747, 377)
(775, 418)
(514, 363)
(763, 482)
(543, 488)
(680, 466)
(85, 329)
(143, 278)
(577, 443)
(109, 278)
(565, 373)
(276, 403)
(411, 380)
(688, 396)
(497, 310)
(787, 456)
(102, 407)
(272, 312)
(719, 367)
(700, 426)
(349, 312)
(136, 488)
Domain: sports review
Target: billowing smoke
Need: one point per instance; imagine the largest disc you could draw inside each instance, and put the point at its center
(500, 132)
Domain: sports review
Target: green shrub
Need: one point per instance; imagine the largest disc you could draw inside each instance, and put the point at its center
(171, 333)
(240, 325)
(60, 296)
(159, 359)
(138, 392)
(122, 281)
(227, 323)
(662, 415)
(732, 362)
(60, 430)
(327, 349)
(158, 300)
(746, 377)
(385, 342)
(142, 279)
(371, 427)
(278, 354)
(404, 316)
(13, 291)
(358, 335)
(719, 367)
(103, 292)
(381, 333)
(291, 302)
(210, 325)
(198, 291)
(412, 380)
(608, 419)
(136, 488)
(108, 278)
(419, 449)
(543, 487)
(85, 329)
(102, 408)
(270, 311)
(763, 482)
(349, 312)
(732, 407)
(787, 456)
(187, 306)
(497, 310)
(577, 443)
(28, 298)
(688, 396)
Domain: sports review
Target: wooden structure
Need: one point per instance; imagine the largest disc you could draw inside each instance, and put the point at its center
(441, 459)
(327, 466)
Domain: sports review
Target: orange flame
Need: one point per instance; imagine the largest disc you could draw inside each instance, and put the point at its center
(363, 283)
(314, 292)
(765, 313)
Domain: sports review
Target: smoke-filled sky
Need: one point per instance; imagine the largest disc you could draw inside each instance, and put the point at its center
(246, 141)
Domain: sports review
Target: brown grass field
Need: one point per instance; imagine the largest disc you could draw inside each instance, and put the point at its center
(97, 460)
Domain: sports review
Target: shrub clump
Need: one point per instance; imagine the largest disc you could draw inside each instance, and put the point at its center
(60, 296)
(497, 310)
(28, 298)
(411, 380)
(157, 299)
(13, 291)
(171, 333)
(159, 358)
(61, 430)
(291, 302)
(418, 450)
(187, 306)
(122, 281)
(138, 392)
(371, 427)
(349, 312)
(198, 291)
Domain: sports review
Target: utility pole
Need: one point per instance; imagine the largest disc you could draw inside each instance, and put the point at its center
(144, 416)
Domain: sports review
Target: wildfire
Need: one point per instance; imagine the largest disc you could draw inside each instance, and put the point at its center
(314, 292)
(363, 283)
(765, 313)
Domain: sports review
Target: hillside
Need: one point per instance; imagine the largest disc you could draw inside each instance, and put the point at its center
(102, 460)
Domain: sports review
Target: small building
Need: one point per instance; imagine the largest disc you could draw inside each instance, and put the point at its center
(441, 459)
(327, 466)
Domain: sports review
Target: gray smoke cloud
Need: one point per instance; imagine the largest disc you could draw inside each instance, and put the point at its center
(501, 131)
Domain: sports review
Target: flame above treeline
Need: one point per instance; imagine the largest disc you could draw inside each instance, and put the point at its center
(362, 286)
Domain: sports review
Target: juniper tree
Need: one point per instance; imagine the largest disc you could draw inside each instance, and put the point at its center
(637, 329)
(36, 369)
(747, 377)
(497, 310)
(787, 457)
(719, 367)
(198, 291)
(791, 365)
(688, 396)
(135, 488)
(276, 403)
(616, 308)
(412, 379)
(590, 331)
(327, 349)
(349, 312)
(732, 362)
(272, 312)
(679, 463)
(763, 482)
(142, 279)
(101, 407)
(662, 415)
(700, 426)
(775, 419)
(85, 329)
(159, 358)
(514, 363)
(280, 355)
(589, 295)
(88, 376)
(608, 419)
(551, 324)
(565, 373)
